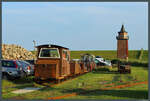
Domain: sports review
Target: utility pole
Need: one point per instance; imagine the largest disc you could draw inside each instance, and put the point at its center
(34, 49)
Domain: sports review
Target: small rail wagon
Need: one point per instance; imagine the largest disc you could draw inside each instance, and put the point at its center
(52, 62)
(75, 68)
(87, 62)
(124, 67)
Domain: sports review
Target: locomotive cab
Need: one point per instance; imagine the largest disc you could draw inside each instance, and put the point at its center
(52, 62)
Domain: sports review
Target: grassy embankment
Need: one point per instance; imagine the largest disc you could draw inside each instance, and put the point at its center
(133, 54)
(112, 54)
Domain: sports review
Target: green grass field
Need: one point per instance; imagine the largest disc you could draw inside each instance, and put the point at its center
(93, 82)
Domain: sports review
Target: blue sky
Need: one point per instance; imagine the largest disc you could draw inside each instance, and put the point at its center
(76, 25)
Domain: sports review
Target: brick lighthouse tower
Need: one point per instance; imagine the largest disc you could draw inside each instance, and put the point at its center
(122, 44)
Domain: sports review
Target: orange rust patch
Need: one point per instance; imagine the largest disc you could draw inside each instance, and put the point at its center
(109, 84)
(64, 96)
(127, 85)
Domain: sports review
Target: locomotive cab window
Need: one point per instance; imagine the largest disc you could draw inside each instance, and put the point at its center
(49, 53)
(65, 55)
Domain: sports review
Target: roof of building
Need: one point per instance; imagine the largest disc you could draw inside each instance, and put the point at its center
(51, 45)
(122, 29)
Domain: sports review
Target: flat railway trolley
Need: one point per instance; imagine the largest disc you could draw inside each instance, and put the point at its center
(53, 64)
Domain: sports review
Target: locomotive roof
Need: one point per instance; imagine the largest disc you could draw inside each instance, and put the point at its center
(51, 45)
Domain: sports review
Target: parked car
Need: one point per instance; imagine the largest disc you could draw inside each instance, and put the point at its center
(32, 62)
(102, 62)
(28, 69)
(114, 61)
(11, 69)
(108, 63)
(99, 58)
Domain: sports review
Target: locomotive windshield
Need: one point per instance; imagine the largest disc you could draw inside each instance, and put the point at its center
(49, 53)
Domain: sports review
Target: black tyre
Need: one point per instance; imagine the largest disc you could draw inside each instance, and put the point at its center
(129, 71)
(5, 77)
(37, 80)
(23, 74)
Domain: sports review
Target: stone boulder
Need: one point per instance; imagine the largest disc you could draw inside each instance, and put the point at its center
(16, 52)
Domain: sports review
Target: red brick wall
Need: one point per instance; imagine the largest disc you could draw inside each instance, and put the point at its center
(122, 49)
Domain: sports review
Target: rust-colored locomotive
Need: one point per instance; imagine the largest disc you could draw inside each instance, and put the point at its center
(53, 63)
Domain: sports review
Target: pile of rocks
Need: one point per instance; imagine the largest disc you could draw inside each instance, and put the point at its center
(16, 52)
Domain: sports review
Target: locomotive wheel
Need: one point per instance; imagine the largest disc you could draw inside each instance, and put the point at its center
(129, 71)
(58, 81)
(37, 80)
(67, 78)
(120, 72)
